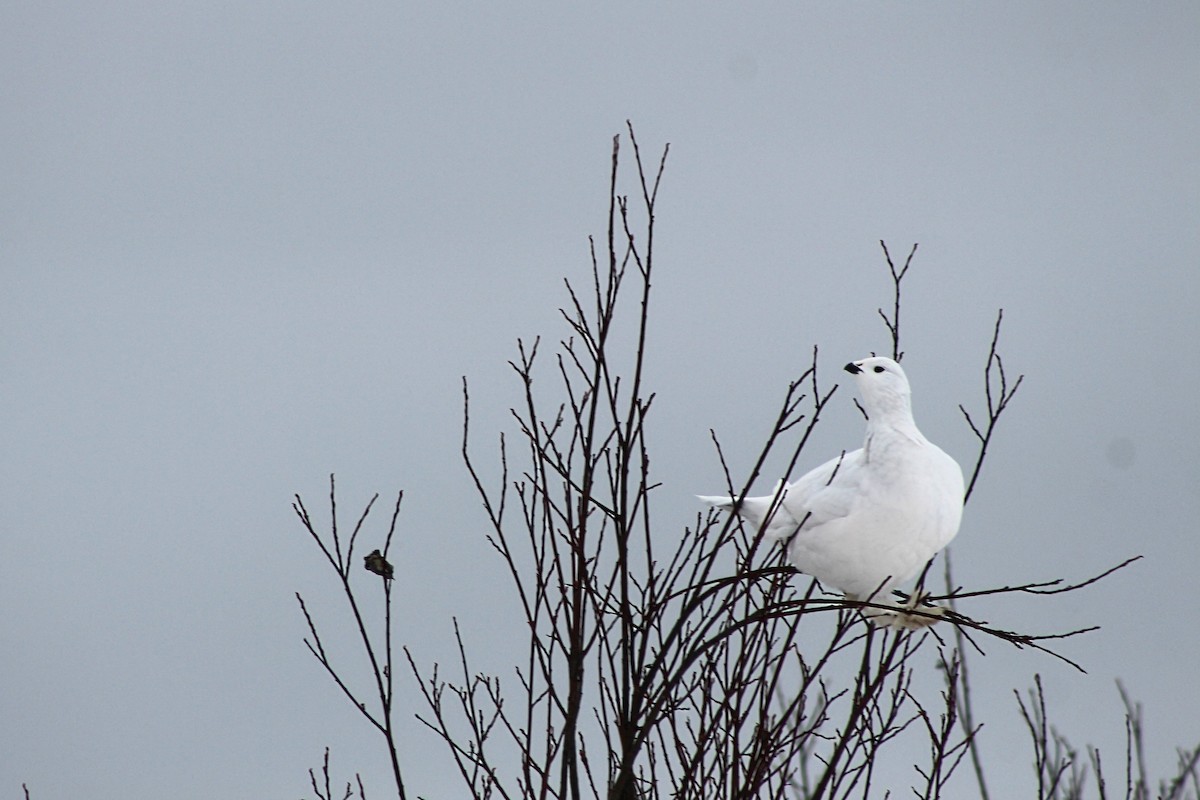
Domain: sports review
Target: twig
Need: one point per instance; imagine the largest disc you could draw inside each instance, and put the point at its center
(997, 398)
(893, 323)
(966, 707)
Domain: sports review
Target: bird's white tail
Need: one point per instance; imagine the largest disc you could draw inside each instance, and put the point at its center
(755, 509)
(726, 503)
(715, 501)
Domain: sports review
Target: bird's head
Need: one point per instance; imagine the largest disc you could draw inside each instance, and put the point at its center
(882, 384)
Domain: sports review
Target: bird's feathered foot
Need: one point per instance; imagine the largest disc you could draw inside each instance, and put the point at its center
(913, 615)
(926, 614)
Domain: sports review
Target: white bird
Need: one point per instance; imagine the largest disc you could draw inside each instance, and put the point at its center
(867, 521)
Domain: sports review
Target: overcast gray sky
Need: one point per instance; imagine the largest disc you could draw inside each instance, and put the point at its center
(246, 245)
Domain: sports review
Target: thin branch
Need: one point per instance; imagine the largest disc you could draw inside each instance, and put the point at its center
(998, 395)
(893, 322)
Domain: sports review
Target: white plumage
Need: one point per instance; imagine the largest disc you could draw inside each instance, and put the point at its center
(865, 522)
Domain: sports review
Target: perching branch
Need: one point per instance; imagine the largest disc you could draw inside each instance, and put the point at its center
(381, 662)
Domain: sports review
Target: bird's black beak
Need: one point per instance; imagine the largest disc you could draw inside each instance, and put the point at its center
(853, 368)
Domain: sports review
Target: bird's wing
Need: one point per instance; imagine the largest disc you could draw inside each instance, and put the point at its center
(828, 492)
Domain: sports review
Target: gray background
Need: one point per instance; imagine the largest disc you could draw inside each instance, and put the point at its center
(246, 245)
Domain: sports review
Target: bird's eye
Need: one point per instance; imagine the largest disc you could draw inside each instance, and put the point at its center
(879, 369)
